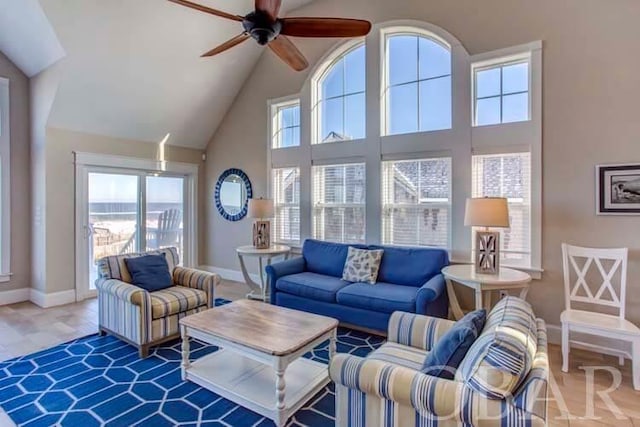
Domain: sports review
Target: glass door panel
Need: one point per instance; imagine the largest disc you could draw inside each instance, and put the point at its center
(114, 212)
(165, 212)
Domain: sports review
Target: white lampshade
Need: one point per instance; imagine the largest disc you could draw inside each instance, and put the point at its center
(487, 212)
(261, 208)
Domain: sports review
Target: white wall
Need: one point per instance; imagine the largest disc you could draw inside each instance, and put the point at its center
(590, 95)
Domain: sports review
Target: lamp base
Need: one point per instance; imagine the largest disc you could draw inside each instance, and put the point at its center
(262, 234)
(487, 252)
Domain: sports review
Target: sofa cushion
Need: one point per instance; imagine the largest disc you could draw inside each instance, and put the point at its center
(150, 272)
(446, 355)
(382, 297)
(410, 266)
(311, 285)
(501, 358)
(325, 257)
(398, 354)
(176, 299)
(362, 265)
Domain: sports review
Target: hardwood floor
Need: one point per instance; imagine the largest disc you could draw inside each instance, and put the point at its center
(586, 396)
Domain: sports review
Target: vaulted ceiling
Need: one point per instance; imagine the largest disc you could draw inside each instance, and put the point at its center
(133, 69)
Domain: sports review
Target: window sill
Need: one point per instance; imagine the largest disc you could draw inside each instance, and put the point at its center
(5, 277)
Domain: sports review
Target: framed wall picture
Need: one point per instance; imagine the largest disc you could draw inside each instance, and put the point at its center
(618, 189)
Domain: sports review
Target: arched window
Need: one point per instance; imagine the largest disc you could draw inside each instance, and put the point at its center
(340, 110)
(417, 84)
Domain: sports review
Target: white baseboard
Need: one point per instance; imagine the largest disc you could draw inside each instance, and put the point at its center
(14, 296)
(52, 300)
(228, 274)
(581, 341)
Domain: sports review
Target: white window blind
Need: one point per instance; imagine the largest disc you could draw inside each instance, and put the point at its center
(416, 197)
(286, 197)
(286, 125)
(508, 175)
(339, 203)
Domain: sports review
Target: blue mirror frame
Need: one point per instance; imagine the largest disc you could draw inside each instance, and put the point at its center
(247, 184)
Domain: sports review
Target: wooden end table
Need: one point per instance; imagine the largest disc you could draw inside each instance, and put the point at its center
(259, 291)
(260, 364)
(507, 279)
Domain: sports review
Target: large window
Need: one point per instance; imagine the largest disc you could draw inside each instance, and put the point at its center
(416, 198)
(286, 125)
(508, 175)
(341, 99)
(501, 93)
(5, 187)
(418, 84)
(286, 196)
(339, 203)
(407, 183)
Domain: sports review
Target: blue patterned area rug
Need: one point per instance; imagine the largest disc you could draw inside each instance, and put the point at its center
(100, 381)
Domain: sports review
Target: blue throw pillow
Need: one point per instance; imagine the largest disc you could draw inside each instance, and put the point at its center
(445, 357)
(150, 272)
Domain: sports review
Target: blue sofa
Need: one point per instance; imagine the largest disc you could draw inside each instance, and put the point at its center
(409, 280)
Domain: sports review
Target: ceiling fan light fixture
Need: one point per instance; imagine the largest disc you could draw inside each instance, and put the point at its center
(260, 27)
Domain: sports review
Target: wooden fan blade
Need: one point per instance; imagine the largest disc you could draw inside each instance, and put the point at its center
(289, 53)
(325, 27)
(209, 10)
(270, 7)
(227, 45)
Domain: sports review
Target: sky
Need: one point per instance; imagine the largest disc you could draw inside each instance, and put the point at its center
(124, 188)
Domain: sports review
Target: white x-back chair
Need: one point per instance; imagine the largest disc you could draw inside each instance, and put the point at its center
(607, 295)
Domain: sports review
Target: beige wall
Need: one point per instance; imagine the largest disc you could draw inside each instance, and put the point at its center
(20, 181)
(590, 115)
(60, 192)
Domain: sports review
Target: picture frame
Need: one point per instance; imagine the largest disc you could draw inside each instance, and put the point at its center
(618, 189)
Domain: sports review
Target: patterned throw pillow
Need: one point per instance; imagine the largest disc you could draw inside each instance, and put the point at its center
(362, 265)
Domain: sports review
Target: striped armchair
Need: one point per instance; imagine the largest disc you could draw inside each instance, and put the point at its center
(143, 318)
(501, 382)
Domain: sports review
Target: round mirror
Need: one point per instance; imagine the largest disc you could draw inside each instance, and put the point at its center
(233, 192)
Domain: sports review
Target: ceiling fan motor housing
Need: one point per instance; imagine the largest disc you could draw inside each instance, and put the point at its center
(260, 26)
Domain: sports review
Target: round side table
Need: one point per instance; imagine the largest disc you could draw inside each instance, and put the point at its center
(507, 279)
(259, 290)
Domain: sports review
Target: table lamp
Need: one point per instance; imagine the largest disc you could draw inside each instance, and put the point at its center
(260, 209)
(487, 212)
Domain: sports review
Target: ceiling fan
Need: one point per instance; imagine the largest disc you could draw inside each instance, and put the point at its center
(267, 29)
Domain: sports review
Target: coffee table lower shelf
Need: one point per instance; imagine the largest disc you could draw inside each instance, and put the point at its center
(252, 384)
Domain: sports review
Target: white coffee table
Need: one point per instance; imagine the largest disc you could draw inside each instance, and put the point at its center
(259, 291)
(507, 279)
(260, 364)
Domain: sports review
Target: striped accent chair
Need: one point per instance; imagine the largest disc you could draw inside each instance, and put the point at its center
(502, 381)
(143, 318)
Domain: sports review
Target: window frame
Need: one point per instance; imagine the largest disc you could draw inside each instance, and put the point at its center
(277, 239)
(501, 63)
(386, 34)
(344, 204)
(316, 90)
(525, 202)
(5, 181)
(429, 205)
(276, 128)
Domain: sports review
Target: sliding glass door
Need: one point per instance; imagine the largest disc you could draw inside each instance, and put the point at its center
(127, 211)
(114, 217)
(164, 212)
